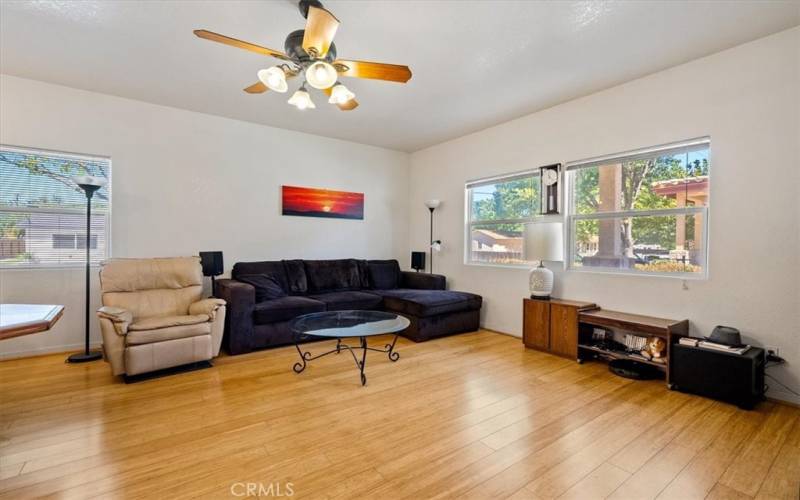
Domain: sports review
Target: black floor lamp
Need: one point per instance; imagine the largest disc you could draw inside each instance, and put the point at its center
(434, 244)
(89, 185)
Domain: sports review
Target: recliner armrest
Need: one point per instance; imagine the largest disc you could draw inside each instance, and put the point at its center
(423, 281)
(206, 306)
(121, 318)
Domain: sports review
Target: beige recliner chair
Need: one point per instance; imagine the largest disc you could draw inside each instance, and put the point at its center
(154, 316)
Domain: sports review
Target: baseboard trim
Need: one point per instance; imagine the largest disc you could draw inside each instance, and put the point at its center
(47, 351)
(501, 333)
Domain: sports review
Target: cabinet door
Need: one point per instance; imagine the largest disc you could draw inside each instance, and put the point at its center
(536, 324)
(564, 331)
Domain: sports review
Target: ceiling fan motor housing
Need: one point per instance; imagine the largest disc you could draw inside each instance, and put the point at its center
(303, 5)
(294, 48)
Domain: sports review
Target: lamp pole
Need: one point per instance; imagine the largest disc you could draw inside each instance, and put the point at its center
(432, 205)
(89, 185)
(430, 245)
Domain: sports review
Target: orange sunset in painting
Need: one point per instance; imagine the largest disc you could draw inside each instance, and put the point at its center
(309, 202)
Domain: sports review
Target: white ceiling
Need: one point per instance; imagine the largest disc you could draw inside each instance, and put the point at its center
(475, 63)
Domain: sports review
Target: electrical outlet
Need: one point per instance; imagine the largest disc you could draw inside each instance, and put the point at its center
(772, 350)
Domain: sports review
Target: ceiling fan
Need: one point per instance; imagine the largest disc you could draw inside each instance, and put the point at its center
(311, 51)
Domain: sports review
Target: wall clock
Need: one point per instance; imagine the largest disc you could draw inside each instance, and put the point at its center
(549, 177)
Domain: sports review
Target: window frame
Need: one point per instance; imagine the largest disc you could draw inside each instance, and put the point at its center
(64, 211)
(571, 216)
(469, 222)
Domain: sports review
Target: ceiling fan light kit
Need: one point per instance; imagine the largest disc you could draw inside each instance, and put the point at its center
(301, 99)
(311, 51)
(340, 94)
(274, 78)
(321, 75)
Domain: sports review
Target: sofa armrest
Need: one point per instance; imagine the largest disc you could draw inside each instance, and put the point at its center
(206, 306)
(423, 281)
(241, 299)
(119, 317)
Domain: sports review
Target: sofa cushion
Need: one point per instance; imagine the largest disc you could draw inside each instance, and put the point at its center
(139, 337)
(284, 309)
(332, 275)
(363, 272)
(342, 301)
(156, 322)
(267, 287)
(274, 268)
(424, 303)
(296, 275)
(384, 274)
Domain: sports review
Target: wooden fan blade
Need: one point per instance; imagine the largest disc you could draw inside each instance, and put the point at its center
(256, 88)
(321, 27)
(347, 106)
(373, 70)
(233, 42)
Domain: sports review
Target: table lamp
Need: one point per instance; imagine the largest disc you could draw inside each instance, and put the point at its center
(543, 241)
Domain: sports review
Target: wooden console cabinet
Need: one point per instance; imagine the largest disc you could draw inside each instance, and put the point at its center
(552, 325)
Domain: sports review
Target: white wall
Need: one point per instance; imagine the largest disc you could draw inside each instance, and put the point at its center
(746, 99)
(184, 182)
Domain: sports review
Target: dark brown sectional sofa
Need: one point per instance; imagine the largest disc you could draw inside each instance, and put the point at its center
(263, 297)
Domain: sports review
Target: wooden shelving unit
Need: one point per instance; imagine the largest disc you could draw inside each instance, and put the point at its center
(621, 355)
(564, 327)
(637, 324)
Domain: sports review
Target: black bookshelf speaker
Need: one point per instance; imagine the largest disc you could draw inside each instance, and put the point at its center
(212, 263)
(418, 260)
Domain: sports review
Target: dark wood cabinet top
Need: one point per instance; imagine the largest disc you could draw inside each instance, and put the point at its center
(634, 322)
(580, 305)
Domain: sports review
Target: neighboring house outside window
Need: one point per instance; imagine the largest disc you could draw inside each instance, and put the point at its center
(643, 212)
(497, 209)
(43, 212)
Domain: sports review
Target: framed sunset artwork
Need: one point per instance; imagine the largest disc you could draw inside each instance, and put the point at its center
(310, 202)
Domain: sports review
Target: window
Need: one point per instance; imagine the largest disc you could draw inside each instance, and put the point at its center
(43, 212)
(63, 241)
(642, 212)
(497, 210)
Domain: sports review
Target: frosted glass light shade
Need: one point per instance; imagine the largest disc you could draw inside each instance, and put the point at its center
(433, 204)
(544, 241)
(321, 75)
(301, 99)
(340, 94)
(274, 78)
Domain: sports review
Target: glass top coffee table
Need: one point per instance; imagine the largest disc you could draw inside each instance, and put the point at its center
(346, 325)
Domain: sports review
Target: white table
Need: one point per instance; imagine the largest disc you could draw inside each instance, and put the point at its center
(25, 319)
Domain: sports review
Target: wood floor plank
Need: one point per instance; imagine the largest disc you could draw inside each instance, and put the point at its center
(747, 474)
(633, 456)
(597, 484)
(722, 492)
(698, 478)
(467, 416)
(783, 479)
